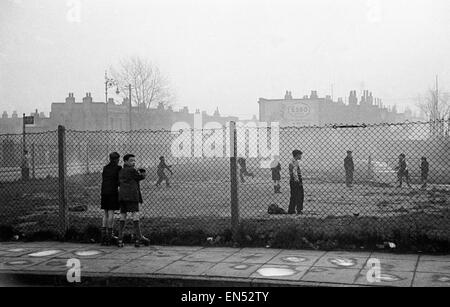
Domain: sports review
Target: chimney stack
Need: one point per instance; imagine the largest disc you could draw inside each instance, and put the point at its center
(70, 98)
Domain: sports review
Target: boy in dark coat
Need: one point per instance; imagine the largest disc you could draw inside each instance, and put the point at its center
(402, 171)
(349, 168)
(130, 197)
(296, 184)
(110, 196)
(424, 167)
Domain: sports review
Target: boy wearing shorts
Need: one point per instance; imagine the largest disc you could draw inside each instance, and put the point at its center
(130, 197)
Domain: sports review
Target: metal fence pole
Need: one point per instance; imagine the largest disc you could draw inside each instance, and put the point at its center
(62, 172)
(33, 161)
(87, 157)
(234, 181)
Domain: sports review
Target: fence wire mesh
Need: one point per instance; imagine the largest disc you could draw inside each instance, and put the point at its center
(199, 194)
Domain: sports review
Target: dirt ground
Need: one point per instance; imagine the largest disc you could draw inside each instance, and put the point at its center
(35, 204)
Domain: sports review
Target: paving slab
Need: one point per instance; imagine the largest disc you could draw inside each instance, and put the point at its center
(435, 258)
(387, 278)
(101, 265)
(165, 256)
(127, 253)
(256, 250)
(186, 268)
(336, 261)
(221, 249)
(232, 270)
(17, 264)
(348, 254)
(331, 275)
(431, 280)
(141, 267)
(46, 253)
(177, 248)
(207, 256)
(250, 257)
(54, 265)
(296, 258)
(279, 272)
(396, 265)
(85, 253)
(16, 251)
(410, 257)
(427, 266)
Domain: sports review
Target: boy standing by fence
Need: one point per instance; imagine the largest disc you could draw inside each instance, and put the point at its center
(296, 184)
(130, 197)
(110, 196)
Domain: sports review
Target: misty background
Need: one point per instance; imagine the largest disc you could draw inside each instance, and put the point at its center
(224, 54)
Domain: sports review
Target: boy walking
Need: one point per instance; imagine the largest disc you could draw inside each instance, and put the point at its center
(161, 173)
(130, 197)
(110, 197)
(275, 166)
(243, 169)
(424, 166)
(296, 184)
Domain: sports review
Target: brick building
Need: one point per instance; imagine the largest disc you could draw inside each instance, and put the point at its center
(313, 110)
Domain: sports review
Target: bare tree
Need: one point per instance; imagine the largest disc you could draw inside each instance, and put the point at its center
(436, 108)
(149, 87)
(434, 105)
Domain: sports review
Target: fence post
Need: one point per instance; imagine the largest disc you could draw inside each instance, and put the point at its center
(62, 171)
(234, 181)
(33, 162)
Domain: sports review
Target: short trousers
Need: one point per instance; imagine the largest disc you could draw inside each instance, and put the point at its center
(110, 202)
(129, 206)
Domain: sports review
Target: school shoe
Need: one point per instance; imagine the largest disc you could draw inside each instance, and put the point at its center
(142, 241)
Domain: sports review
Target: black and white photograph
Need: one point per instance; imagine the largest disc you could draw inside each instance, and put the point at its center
(225, 149)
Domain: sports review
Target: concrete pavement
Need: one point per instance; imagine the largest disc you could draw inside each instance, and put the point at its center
(218, 266)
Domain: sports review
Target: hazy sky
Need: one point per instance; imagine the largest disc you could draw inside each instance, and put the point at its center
(224, 53)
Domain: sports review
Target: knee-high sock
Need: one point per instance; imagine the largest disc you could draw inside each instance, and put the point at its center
(103, 233)
(137, 230)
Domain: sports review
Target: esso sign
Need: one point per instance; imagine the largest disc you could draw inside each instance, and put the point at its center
(298, 110)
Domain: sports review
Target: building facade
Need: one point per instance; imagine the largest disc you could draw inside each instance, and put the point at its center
(313, 110)
(89, 115)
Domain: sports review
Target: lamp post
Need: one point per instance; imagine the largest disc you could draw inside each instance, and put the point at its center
(109, 82)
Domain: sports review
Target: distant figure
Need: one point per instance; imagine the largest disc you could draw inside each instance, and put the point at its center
(130, 197)
(162, 166)
(296, 184)
(349, 168)
(424, 166)
(275, 166)
(110, 197)
(243, 169)
(25, 166)
(402, 171)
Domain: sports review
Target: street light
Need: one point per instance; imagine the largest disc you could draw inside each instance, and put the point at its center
(129, 104)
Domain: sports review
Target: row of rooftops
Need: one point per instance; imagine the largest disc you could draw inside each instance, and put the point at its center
(366, 99)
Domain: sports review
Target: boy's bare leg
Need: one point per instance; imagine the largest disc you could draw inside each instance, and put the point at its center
(139, 238)
(123, 218)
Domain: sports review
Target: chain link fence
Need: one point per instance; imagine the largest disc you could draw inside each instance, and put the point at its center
(205, 193)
